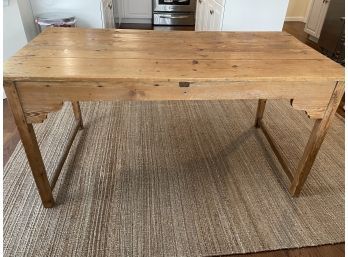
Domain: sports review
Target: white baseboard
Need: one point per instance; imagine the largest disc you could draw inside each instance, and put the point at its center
(314, 39)
(295, 18)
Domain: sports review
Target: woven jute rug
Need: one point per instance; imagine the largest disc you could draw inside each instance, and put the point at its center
(180, 178)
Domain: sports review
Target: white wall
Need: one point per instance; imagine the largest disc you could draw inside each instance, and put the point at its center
(298, 10)
(14, 34)
(87, 12)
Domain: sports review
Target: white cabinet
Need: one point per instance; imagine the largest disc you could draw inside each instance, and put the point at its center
(200, 15)
(14, 30)
(215, 15)
(316, 17)
(240, 15)
(133, 11)
(208, 15)
(137, 9)
(108, 14)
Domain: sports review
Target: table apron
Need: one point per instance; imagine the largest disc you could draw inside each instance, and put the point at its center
(40, 98)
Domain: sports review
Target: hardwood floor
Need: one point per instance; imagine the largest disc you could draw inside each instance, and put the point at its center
(336, 250)
(11, 138)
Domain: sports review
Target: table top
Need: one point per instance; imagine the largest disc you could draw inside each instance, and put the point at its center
(76, 54)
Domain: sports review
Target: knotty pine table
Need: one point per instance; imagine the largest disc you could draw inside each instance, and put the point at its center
(74, 64)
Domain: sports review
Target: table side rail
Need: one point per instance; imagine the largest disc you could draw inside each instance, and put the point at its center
(40, 98)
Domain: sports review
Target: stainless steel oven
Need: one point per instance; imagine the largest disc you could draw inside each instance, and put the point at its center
(174, 12)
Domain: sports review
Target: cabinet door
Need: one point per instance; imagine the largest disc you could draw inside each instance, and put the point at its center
(108, 14)
(118, 12)
(200, 15)
(316, 17)
(214, 15)
(140, 9)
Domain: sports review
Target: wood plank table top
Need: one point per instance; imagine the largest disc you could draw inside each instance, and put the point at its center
(91, 54)
(74, 64)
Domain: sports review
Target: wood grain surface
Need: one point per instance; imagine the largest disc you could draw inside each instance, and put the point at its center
(90, 54)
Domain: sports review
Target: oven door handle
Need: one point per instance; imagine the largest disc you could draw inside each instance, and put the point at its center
(170, 2)
(174, 17)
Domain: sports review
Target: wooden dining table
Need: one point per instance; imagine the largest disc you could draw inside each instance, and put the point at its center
(74, 64)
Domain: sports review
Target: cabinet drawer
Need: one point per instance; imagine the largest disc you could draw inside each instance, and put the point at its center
(214, 14)
(173, 19)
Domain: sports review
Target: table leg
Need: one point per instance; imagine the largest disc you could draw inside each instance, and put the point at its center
(31, 146)
(316, 138)
(77, 113)
(259, 113)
